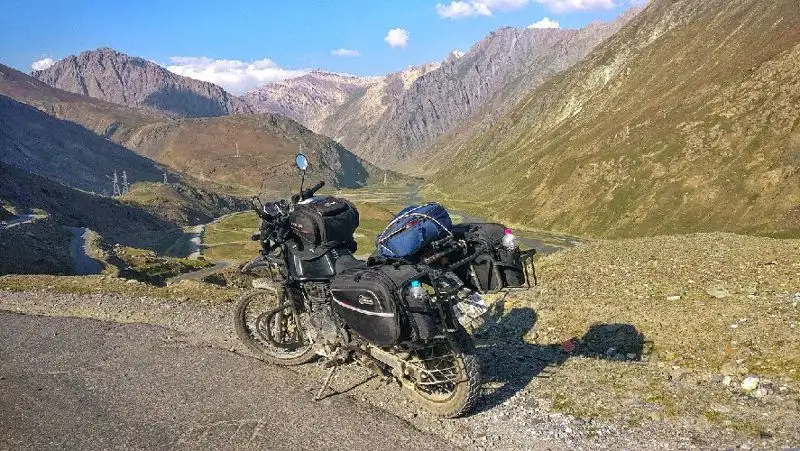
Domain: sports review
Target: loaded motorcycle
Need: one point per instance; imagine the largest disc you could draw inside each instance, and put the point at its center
(406, 313)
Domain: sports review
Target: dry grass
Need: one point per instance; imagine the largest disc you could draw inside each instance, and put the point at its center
(689, 343)
(203, 293)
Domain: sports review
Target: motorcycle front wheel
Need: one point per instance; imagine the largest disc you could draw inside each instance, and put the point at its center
(278, 338)
(449, 385)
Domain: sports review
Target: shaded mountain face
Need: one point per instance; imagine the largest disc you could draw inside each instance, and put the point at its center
(116, 77)
(202, 148)
(65, 151)
(309, 98)
(115, 220)
(686, 120)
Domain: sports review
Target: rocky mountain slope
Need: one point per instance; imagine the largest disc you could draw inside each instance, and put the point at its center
(202, 148)
(358, 119)
(116, 77)
(309, 98)
(389, 121)
(485, 82)
(686, 120)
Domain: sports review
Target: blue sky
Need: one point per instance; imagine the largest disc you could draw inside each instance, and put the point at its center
(264, 40)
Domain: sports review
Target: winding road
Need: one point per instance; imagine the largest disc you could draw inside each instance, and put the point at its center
(21, 219)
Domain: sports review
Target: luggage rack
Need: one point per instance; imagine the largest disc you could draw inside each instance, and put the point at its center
(445, 246)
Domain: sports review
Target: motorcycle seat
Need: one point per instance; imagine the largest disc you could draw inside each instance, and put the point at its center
(347, 261)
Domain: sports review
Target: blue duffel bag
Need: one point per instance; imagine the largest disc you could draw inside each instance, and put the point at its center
(412, 229)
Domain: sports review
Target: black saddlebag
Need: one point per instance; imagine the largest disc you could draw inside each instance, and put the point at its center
(324, 223)
(497, 267)
(372, 302)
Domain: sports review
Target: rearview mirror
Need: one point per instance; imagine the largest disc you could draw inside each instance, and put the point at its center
(301, 162)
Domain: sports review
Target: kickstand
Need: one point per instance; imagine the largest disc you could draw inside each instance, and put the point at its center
(326, 384)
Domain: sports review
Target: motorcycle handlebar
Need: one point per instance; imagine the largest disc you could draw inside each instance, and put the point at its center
(310, 191)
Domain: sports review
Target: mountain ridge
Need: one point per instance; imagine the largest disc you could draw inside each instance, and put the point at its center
(110, 75)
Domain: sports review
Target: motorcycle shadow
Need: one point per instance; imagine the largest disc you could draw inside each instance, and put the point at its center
(509, 363)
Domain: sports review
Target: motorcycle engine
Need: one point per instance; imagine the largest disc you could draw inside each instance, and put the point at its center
(326, 326)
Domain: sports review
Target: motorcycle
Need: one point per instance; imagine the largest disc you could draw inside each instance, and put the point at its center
(410, 322)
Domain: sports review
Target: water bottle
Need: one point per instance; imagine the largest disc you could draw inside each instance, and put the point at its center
(417, 293)
(509, 240)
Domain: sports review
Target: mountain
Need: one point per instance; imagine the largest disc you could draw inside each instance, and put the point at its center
(115, 220)
(116, 77)
(204, 148)
(266, 144)
(686, 120)
(496, 72)
(308, 98)
(358, 120)
(391, 120)
(64, 151)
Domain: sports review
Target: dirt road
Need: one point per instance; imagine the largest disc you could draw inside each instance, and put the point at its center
(85, 384)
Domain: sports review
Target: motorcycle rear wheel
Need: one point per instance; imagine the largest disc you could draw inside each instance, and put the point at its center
(455, 386)
(285, 328)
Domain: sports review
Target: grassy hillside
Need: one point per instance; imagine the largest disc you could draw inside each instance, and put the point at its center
(181, 204)
(686, 120)
(698, 312)
(206, 148)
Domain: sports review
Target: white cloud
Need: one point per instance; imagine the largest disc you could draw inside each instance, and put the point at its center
(459, 9)
(42, 64)
(397, 37)
(233, 75)
(561, 6)
(345, 52)
(545, 23)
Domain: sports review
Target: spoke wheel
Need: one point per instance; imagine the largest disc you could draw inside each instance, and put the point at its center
(277, 338)
(450, 380)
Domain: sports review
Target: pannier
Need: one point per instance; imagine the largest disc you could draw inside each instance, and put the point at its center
(373, 303)
(412, 229)
(496, 268)
(323, 223)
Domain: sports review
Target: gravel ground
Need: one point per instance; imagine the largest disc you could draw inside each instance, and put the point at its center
(509, 417)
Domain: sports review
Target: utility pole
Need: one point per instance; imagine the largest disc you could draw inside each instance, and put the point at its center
(237, 150)
(115, 181)
(125, 186)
